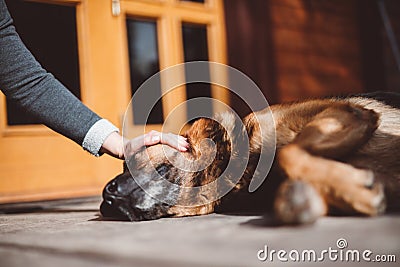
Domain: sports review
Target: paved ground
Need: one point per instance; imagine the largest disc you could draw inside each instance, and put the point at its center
(69, 233)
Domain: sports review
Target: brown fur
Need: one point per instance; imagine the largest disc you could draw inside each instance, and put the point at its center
(332, 154)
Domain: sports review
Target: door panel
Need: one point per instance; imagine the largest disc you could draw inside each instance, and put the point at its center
(36, 163)
(144, 62)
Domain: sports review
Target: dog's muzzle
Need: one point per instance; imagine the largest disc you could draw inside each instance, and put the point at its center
(124, 199)
(116, 198)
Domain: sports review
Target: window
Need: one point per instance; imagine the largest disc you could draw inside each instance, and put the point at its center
(195, 48)
(144, 62)
(49, 31)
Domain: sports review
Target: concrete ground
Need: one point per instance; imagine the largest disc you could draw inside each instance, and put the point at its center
(70, 233)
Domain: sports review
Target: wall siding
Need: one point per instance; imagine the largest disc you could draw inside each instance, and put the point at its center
(299, 49)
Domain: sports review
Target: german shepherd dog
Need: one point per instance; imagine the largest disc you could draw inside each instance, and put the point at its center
(333, 155)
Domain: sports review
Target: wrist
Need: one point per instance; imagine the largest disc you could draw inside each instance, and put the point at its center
(113, 145)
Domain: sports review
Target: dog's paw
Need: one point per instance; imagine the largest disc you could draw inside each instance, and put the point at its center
(379, 199)
(362, 195)
(298, 202)
(370, 201)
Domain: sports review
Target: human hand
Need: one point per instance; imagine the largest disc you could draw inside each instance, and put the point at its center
(154, 137)
(115, 144)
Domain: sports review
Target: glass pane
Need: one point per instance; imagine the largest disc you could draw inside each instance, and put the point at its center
(49, 31)
(144, 62)
(196, 49)
(197, 1)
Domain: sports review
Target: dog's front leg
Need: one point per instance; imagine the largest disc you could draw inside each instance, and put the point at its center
(334, 134)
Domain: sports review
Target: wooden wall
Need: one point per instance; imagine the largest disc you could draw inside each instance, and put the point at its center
(317, 48)
(392, 73)
(297, 49)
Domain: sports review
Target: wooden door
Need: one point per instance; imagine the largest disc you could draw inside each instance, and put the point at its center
(36, 163)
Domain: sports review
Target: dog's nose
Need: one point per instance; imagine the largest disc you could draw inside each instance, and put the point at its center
(109, 199)
(112, 187)
(110, 192)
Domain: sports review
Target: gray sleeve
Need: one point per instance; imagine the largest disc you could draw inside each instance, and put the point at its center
(26, 83)
(96, 135)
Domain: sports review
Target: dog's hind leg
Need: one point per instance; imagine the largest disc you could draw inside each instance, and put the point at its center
(335, 133)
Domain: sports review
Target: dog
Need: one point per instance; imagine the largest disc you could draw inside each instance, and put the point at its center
(333, 155)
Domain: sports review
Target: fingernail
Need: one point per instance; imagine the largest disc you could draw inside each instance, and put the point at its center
(184, 144)
(155, 138)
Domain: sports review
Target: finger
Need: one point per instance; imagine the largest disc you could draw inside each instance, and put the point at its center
(182, 139)
(183, 143)
(169, 139)
(175, 141)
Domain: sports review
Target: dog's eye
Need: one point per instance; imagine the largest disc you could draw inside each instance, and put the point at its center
(112, 187)
(163, 169)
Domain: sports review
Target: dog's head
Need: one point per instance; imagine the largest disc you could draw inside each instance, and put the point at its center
(155, 181)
